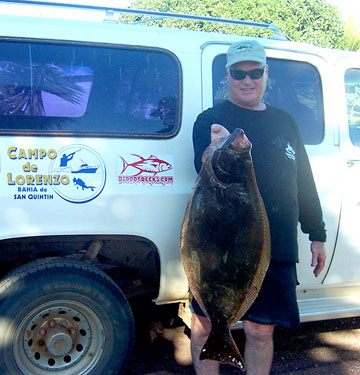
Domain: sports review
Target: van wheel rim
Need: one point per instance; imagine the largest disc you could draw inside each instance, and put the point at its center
(65, 337)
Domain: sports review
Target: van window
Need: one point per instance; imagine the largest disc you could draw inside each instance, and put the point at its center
(352, 86)
(67, 89)
(293, 86)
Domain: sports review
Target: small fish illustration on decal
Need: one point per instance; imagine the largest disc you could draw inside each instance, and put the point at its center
(150, 165)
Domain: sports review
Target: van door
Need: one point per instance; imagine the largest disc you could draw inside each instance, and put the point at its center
(297, 85)
(346, 261)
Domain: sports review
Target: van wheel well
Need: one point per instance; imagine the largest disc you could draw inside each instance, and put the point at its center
(131, 261)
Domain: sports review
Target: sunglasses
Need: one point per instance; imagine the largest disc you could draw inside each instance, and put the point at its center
(241, 74)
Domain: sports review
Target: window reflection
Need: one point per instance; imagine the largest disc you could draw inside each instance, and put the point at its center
(43, 89)
(88, 89)
(352, 86)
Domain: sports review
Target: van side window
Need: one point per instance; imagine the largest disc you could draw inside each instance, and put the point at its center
(88, 90)
(352, 87)
(293, 86)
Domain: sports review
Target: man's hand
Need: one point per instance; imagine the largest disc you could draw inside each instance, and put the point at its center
(218, 131)
(318, 256)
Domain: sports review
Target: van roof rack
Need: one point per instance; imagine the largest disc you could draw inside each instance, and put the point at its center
(110, 12)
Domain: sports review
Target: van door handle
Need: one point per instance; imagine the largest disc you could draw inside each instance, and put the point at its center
(351, 163)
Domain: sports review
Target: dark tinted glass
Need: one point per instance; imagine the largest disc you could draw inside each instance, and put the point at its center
(293, 86)
(88, 90)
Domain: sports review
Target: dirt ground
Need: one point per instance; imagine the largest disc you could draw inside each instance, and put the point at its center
(319, 348)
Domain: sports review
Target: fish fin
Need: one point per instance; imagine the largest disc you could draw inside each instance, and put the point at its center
(125, 164)
(260, 271)
(142, 159)
(221, 347)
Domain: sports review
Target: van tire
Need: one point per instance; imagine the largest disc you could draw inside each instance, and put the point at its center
(61, 316)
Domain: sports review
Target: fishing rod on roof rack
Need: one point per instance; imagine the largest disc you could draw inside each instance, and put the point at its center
(156, 13)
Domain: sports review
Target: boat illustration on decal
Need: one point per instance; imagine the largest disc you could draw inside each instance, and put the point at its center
(85, 168)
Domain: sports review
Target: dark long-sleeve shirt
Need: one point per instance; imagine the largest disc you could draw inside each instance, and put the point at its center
(282, 170)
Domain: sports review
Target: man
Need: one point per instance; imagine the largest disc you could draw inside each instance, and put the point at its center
(288, 190)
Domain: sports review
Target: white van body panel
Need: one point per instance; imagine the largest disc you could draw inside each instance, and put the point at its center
(344, 265)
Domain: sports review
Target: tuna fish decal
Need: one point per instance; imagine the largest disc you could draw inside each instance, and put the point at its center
(225, 241)
(150, 165)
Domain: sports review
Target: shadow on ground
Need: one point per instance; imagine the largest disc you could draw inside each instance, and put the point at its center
(319, 348)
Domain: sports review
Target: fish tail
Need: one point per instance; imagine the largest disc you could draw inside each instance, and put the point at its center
(221, 347)
(125, 165)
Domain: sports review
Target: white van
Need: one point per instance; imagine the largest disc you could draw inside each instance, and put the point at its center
(96, 167)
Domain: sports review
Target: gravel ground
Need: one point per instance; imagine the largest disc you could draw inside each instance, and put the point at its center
(319, 348)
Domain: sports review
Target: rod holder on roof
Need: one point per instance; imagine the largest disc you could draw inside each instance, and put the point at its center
(155, 13)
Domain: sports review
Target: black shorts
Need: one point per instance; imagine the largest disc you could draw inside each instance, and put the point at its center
(276, 302)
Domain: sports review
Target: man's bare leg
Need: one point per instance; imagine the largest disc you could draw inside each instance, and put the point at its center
(200, 330)
(259, 348)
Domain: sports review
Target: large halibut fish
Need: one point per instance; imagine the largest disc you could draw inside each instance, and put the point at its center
(225, 241)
